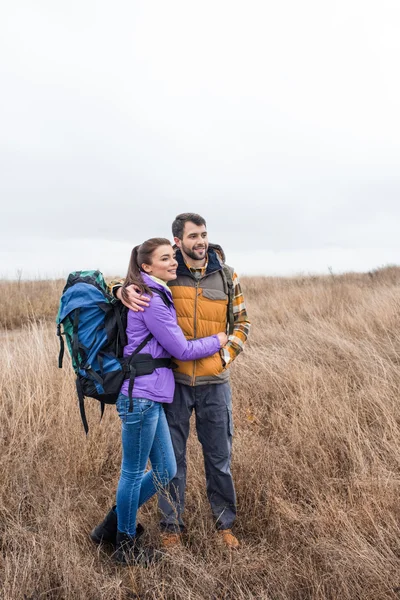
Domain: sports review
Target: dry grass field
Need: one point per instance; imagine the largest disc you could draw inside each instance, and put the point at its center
(316, 456)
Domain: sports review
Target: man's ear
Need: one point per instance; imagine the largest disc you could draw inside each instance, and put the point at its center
(178, 242)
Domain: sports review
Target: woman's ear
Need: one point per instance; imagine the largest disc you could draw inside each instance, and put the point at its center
(146, 268)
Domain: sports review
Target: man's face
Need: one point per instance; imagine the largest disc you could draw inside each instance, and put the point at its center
(194, 242)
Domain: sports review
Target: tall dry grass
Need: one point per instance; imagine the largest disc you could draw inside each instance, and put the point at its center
(316, 458)
(23, 302)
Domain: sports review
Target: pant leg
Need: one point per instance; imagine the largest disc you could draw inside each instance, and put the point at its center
(214, 426)
(138, 432)
(171, 502)
(162, 459)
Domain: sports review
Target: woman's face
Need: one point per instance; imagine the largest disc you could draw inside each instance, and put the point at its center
(163, 264)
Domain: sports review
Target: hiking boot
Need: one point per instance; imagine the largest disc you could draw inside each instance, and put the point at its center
(131, 551)
(170, 540)
(226, 537)
(106, 531)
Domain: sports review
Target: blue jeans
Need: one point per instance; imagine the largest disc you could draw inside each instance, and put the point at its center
(145, 434)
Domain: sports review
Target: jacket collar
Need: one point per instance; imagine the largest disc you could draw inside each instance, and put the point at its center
(214, 263)
(154, 284)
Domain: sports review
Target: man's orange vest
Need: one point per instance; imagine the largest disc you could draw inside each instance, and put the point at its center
(202, 309)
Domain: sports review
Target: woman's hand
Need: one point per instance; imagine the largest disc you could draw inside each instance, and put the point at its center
(223, 338)
(136, 300)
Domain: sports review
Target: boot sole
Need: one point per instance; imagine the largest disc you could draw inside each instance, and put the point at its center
(98, 541)
(139, 561)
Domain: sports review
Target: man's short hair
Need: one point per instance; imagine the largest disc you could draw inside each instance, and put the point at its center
(179, 224)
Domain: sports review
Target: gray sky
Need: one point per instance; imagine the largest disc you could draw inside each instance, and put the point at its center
(277, 121)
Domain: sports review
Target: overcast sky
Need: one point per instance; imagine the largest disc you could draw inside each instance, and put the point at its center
(277, 121)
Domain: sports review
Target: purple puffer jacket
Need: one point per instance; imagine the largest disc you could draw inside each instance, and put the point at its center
(168, 341)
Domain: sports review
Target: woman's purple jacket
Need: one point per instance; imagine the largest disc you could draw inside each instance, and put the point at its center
(168, 340)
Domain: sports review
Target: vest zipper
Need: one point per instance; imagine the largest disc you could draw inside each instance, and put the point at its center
(195, 330)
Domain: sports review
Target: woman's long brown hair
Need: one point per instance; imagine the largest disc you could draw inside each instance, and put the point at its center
(141, 254)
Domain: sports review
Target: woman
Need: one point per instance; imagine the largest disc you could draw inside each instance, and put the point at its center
(145, 432)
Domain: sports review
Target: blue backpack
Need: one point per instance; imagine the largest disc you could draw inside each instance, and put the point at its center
(94, 326)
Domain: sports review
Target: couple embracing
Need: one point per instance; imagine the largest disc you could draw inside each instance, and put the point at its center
(183, 300)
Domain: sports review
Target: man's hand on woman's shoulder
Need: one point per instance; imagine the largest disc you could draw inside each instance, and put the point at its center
(136, 301)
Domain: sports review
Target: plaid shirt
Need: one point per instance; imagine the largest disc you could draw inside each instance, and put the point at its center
(241, 327)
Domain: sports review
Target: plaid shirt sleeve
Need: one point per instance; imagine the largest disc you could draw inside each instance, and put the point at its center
(241, 327)
(113, 285)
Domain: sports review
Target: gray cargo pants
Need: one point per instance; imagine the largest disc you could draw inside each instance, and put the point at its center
(213, 408)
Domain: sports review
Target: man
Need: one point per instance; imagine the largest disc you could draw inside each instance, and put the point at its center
(201, 297)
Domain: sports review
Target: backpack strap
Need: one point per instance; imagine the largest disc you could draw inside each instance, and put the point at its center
(100, 360)
(162, 295)
(228, 283)
(132, 368)
(121, 330)
(61, 355)
(75, 340)
(102, 407)
(81, 400)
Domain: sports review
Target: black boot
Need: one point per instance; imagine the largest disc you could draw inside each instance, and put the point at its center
(106, 531)
(131, 551)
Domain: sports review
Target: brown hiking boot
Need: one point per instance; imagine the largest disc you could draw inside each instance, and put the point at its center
(226, 537)
(170, 540)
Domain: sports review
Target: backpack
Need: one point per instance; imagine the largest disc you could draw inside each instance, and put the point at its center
(94, 326)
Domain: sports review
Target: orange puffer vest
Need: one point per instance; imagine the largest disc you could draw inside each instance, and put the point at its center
(202, 310)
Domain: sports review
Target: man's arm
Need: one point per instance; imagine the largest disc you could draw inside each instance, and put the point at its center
(241, 326)
(136, 302)
(114, 285)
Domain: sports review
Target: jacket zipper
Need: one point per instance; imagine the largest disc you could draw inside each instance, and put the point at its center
(195, 329)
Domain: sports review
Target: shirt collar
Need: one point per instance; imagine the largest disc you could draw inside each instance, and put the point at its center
(198, 270)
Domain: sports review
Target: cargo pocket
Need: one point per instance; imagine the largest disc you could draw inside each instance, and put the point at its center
(230, 422)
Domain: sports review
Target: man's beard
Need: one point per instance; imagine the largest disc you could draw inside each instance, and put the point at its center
(192, 254)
